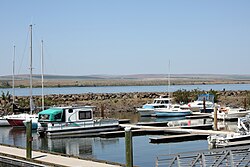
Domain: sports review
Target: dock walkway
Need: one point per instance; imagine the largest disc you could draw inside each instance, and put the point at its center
(228, 157)
(49, 159)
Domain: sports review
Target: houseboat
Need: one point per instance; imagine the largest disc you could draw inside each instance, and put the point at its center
(72, 122)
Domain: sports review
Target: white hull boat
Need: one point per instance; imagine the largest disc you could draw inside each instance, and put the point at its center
(72, 122)
(149, 108)
(230, 113)
(174, 111)
(198, 105)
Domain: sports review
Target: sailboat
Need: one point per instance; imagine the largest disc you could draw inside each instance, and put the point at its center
(34, 120)
(174, 110)
(18, 119)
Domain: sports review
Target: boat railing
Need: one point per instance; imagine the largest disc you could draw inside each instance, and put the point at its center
(90, 123)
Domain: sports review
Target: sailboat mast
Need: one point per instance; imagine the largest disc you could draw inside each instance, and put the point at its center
(169, 78)
(42, 73)
(31, 100)
(13, 74)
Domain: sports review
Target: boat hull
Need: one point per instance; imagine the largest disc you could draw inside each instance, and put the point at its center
(145, 112)
(16, 122)
(172, 113)
(77, 129)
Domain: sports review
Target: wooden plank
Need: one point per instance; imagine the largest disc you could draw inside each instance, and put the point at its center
(204, 127)
(138, 132)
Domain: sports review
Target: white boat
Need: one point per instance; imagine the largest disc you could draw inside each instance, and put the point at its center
(175, 110)
(198, 105)
(243, 133)
(72, 122)
(228, 113)
(149, 108)
(17, 120)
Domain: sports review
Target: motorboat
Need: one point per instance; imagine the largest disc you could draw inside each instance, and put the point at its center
(34, 122)
(198, 104)
(149, 108)
(72, 122)
(228, 113)
(242, 133)
(175, 110)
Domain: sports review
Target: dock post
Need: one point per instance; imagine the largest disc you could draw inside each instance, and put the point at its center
(245, 103)
(102, 111)
(29, 139)
(204, 105)
(215, 118)
(129, 147)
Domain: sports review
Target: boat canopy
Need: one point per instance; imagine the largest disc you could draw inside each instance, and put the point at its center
(50, 115)
(207, 97)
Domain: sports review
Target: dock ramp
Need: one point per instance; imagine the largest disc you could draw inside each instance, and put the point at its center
(230, 157)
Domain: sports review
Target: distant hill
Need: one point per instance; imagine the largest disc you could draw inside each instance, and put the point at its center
(133, 77)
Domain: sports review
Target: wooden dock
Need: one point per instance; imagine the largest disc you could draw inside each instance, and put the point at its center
(176, 130)
(49, 159)
(136, 132)
(177, 138)
(158, 124)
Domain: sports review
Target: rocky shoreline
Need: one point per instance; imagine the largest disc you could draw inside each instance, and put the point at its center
(115, 102)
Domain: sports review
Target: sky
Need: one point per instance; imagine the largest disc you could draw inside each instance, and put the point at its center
(86, 37)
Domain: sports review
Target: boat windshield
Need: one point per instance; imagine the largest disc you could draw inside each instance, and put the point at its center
(161, 101)
(52, 114)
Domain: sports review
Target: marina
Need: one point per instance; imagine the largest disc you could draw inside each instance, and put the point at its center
(102, 148)
(90, 83)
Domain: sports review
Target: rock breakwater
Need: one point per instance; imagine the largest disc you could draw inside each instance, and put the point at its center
(115, 102)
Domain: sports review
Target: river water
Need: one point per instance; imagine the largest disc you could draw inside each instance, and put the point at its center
(118, 89)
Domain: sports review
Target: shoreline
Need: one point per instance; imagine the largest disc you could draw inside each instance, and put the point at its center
(117, 102)
(109, 83)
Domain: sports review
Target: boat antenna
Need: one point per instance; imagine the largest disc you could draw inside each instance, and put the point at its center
(13, 74)
(31, 100)
(42, 73)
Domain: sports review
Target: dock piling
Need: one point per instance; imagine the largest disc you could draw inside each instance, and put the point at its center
(129, 147)
(204, 105)
(215, 118)
(29, 139)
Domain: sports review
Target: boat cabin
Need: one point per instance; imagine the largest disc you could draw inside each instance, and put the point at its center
(66, 114)
(207, 97)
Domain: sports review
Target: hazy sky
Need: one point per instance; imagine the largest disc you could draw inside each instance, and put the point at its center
(83, 37)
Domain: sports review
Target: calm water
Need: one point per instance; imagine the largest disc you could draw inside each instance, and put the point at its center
(112, 149)
(117, 89)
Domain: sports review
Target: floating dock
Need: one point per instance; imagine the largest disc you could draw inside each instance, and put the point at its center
(158, 124)
(177, 138)
(49, 159)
